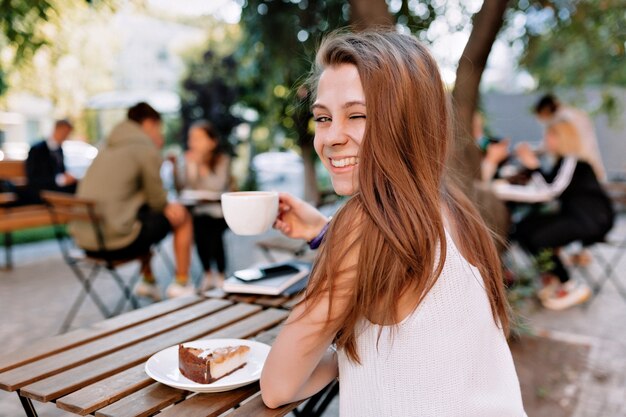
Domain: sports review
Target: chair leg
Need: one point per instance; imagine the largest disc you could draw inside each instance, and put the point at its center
(73, 311)
(609, 272)
(126, 289)
(8, 251)
(167, 261)
(318, 403)
(86, 282)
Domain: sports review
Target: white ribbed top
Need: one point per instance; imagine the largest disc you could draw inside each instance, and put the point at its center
(446, 359)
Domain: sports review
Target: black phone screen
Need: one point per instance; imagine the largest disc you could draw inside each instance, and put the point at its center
(263, 273)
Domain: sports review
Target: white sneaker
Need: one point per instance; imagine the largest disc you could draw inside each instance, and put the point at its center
(551, 285)
(175, 290)
(212, 280)
(148, 290)
(570, 294)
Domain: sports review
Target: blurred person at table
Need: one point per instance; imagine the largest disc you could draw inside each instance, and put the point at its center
(405, 303)
(45, 167)
(125, 182)
(549, 110)
(206, 167)
(584, 212)
(497, 161)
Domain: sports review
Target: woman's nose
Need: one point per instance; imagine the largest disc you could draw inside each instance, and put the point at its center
(337, 134)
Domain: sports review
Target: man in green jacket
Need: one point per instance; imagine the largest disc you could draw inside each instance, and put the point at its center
(125, 181)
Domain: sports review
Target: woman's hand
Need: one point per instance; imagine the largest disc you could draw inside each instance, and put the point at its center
(195, 157)
(527, 156)
(298, 219)
(497, 152)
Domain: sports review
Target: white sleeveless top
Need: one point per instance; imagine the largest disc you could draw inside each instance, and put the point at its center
(446, 359)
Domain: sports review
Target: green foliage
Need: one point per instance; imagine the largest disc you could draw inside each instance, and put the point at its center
(275, 55)
(575, 43)
(20, 22)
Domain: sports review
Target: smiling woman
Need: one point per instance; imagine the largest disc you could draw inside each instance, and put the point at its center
(407, 286)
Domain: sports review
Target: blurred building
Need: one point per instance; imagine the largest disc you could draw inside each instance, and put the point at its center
(148, 68)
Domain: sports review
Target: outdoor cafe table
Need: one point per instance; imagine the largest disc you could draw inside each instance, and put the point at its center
(99, 370)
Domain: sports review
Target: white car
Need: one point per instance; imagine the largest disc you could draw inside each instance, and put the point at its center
(280, 171)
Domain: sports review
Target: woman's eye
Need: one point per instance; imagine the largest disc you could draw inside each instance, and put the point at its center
(321, 119)
(358, 116)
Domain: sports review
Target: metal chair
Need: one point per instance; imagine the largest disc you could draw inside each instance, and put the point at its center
(65, 208)
(608, 262)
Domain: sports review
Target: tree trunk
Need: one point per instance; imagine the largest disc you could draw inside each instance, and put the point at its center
(465, 157)
(305, 141)
(366, 14)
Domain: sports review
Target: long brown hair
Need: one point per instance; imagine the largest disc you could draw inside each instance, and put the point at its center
(395, 222)
(568, 139)
(217, 153)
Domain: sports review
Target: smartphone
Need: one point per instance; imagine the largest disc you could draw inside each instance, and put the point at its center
(255, 274)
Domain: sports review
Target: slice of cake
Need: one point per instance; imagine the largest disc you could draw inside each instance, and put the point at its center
(205, 366)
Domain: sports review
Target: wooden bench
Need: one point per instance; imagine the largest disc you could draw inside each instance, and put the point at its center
(19, 217)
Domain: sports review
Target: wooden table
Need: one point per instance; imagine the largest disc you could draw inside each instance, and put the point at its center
(99, 370)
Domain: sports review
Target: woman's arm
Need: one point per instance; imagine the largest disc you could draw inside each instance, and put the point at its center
(300, 363)
(538, 190)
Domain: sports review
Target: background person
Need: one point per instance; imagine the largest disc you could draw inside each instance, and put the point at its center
(45, 166)
(585, 211)
(550, 110)
(206, 167)
(407, 283)
(125, 182)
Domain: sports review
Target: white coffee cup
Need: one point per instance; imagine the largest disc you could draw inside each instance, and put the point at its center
(250, 212)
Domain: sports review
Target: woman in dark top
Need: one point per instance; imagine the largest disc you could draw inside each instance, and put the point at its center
(585, 212)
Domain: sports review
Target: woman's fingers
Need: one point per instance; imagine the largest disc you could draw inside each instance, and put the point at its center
(282, 226)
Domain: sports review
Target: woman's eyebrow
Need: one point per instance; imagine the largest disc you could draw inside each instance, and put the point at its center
(318, 106)
(353, 103)
(345, 105)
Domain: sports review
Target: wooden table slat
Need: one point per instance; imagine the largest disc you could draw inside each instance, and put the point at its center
(252, 325)
(111, 389)
(73, 379)
(66, 341)
(243, 298)
(270, 301)
(215, 293)
(210, 404)
(269, 336)
(38, 370)
(291, 303)
(256, 408)
(144, 402)
(107, 391)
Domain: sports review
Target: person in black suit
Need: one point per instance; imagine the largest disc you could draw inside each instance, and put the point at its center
(45, 169)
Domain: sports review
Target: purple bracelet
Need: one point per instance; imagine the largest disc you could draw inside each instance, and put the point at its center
(317, 240)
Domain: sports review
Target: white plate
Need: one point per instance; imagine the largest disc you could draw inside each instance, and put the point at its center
(163, 366)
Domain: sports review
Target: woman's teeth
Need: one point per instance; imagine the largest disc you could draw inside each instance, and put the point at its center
(340, 163)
